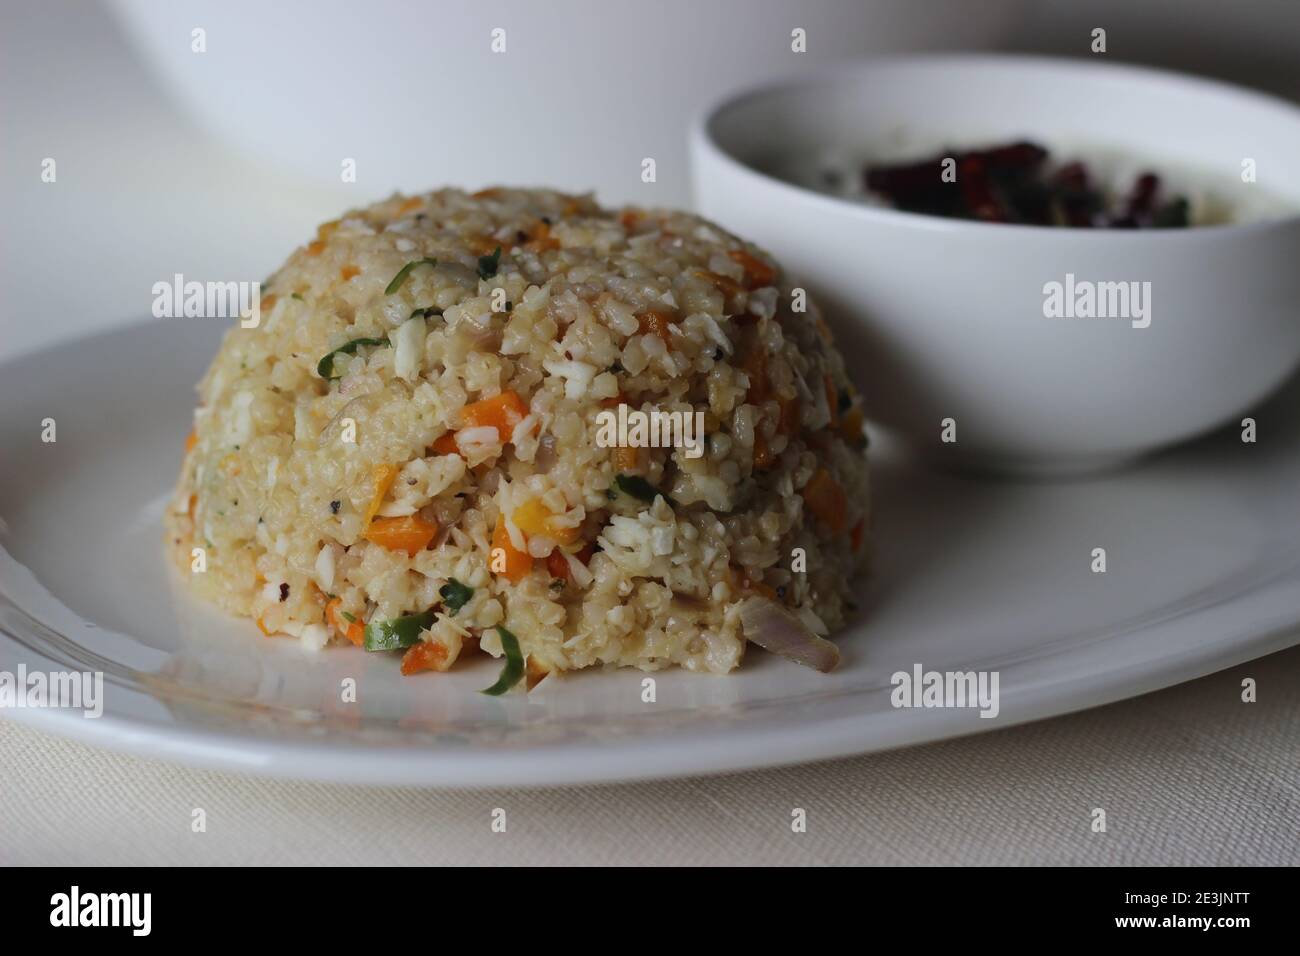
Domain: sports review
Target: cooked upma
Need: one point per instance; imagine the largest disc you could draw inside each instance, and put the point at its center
(513, 421)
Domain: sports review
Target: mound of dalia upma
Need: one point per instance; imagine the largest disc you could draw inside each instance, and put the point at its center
(517, 423)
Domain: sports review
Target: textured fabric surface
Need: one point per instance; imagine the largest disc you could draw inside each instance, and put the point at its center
(1189, 775)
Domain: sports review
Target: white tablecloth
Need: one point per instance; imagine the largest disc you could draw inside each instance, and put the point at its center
(1189, 775)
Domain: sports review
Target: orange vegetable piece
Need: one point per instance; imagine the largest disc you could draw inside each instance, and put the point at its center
(503, 412)
(534, 673)
(827, 500)
(627, 459)
(788, 423)
(425, 656)
(191, 440)
(446, 445)
(517, 563)
(755, 366)
(415, 202)
(315, 247)
(757, 272)
(354, 631)
(656, 322)
(262, 627)
(409, 533)
(540, 238)
(533, 517)
(383, 480)
(348, 272)
(728, 286)
(851, 425)
(557, 566)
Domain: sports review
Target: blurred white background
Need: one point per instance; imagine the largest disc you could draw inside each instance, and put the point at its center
(217, 164)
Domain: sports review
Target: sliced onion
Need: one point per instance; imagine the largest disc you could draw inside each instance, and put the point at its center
(544, 460)
(773, 628)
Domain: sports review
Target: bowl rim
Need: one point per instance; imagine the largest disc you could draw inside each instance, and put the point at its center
(702, 137)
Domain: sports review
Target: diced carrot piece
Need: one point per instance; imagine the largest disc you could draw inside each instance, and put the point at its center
(757, 272)
(354, 631)
(315, 247)
(415, 202)
(503, 412)
(557, 566)
(382, 481)
(425, 656)
(191, 440)
(326, 229)
(628, 218)
(656, 322)
(832, 401)
(534, 673)
(627, 459)
(348, 272)
(194, 500)
(490, 193)
(409, 533)
(540, 238)
(614, 402)
(851, 425)
(517, 563)
(446, 444)
(755, 365)
(268, 302)
(485, 245)
(533, 517)
(724, 284)
(827, 500)
(789, 421)
(855, 536)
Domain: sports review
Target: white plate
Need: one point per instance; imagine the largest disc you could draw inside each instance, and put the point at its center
(1203, 552)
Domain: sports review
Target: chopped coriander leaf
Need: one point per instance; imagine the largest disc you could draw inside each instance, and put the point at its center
(406, 271)
(349, 617)
(325, 367)
(638, 487)
(455, 595)
(396, 633)
(488, 265)
(513, 669)
(425, 312)
(295, 295)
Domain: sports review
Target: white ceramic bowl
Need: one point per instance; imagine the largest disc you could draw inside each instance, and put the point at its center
(945, 319)
(583, 92)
